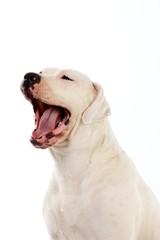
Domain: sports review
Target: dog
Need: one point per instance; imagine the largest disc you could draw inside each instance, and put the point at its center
(96, 192)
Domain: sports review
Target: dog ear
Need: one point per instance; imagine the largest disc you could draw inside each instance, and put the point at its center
(99, 109)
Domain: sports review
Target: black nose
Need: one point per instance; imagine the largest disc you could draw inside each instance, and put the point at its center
(30, 79)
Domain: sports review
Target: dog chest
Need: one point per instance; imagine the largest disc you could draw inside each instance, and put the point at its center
(66, 218)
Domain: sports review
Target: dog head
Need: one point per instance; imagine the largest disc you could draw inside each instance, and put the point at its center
(62, 99)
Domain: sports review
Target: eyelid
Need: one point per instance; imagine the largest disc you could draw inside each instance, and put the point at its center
(66, 78)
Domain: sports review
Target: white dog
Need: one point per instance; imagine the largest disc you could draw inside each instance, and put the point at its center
(96, 192)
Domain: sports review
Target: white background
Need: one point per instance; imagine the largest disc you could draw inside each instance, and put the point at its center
(116, 43)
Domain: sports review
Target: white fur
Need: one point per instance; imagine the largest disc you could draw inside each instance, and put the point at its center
(96, 192)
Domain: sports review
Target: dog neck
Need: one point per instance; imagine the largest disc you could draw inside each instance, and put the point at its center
(74, 160)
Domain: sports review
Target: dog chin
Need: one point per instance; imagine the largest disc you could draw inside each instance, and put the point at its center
(49, 140)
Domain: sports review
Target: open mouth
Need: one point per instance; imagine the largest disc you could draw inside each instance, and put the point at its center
(50, 120)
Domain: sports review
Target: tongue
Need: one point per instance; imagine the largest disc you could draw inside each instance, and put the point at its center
(47, 122)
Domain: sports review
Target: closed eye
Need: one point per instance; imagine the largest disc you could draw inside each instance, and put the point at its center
(66, 78)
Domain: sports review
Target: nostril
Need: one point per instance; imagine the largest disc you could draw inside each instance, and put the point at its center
(32, 76)
(30, 79)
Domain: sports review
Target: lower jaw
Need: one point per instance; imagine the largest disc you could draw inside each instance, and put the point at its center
(48, 140)
(43, 143)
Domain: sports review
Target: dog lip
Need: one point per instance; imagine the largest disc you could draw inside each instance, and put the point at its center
(35, 142)
(27, 93)
(49, 135)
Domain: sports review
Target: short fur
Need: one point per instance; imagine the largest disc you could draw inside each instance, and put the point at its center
(96, 192)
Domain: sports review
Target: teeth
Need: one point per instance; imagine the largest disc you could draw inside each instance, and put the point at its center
(59, 124)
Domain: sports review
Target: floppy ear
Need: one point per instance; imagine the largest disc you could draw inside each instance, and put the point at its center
(99, 109)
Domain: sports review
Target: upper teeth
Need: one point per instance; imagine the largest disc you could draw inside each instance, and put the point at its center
(59, 124)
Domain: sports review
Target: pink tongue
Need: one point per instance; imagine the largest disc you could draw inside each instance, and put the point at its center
(47, 122)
